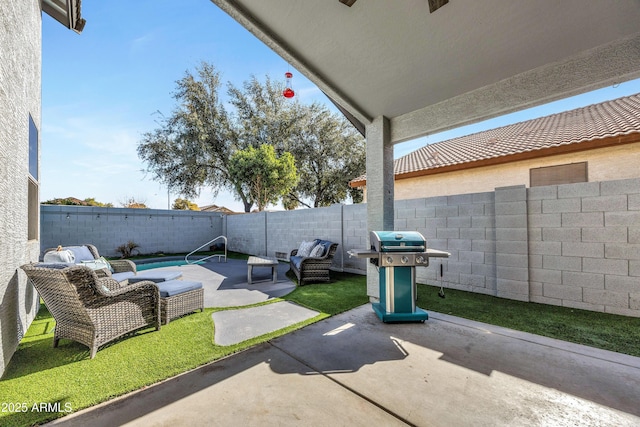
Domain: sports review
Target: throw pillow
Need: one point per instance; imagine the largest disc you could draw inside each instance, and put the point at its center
(305, 248)
(82, 253)
(98, 264)
(65, 256)
(317, 251)
(104, 260)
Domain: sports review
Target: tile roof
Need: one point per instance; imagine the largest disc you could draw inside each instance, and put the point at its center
(614, 118)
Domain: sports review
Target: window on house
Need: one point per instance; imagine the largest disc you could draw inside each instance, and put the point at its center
(33, 197)
(559, 174)
(33, 223)
(33, 149)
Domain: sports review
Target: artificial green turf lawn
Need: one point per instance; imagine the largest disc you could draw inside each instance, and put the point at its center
(38, 373)
(344, 292)
(601, 330)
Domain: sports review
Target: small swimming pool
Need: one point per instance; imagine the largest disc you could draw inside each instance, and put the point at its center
(159, 264)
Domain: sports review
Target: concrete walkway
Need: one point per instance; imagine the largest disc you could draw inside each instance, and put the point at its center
(225, 285)
(354, 370)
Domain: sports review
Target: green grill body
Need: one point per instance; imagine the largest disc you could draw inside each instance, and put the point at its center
(398, 283)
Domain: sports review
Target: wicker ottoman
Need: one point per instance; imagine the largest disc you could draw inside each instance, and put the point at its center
(179, 297)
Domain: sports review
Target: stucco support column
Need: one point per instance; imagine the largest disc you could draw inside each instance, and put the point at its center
(380, 211)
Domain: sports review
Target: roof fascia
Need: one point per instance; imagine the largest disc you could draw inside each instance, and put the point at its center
(599, 67)
(66, 12)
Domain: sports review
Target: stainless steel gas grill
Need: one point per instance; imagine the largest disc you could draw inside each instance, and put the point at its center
(397, 254)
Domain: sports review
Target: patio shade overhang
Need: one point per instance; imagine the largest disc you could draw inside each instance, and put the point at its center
(465, 62)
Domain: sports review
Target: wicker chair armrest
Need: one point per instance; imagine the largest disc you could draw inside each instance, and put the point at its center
(145, 294)
(294, 252)
(122, 265)
(107, 282)
(103, 272)
(146, 285)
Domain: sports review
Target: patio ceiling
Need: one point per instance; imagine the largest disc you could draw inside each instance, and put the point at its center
(465, 62)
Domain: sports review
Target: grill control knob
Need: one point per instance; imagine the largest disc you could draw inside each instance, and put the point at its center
(420, 259)
(389, 260)
(404, 259)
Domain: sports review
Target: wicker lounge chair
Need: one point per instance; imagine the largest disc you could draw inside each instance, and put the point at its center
(92, 310)
(313, 269)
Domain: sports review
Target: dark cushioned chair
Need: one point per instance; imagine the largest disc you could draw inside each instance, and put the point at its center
(313, 269)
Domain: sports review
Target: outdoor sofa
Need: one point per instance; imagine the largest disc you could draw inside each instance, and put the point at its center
(122, 270)
(314, 261)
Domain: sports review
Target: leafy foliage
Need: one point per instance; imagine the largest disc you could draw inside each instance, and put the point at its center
(185, 205)
(72, 201)
(329, 153)
(127, 250)
(193, 147)
(132, 203)
(265, 178)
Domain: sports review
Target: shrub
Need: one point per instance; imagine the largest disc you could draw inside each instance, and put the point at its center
(127, 249)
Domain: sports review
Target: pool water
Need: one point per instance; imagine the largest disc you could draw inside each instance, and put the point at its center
(159, 264)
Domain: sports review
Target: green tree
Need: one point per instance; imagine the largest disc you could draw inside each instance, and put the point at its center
(192, 148)
(262, 115)
(132, 203)
(329, 153)
(265, 177)
(92, 202)
(185, 205)
(72, 201)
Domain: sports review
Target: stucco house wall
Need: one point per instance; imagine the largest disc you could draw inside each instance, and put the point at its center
(605, 164)
(20, 72)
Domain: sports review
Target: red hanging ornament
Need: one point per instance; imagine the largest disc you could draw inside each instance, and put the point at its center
(288, 92)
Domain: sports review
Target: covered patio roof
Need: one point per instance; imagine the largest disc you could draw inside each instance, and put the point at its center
(465, 62)
(405, 69)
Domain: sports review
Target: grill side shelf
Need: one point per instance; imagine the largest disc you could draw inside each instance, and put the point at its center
(363, 253)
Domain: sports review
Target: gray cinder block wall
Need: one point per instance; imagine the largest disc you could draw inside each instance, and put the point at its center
(20, 69)
(585, 246)
(155, 230)
(575, 245)
(276, 234)
(463, 225)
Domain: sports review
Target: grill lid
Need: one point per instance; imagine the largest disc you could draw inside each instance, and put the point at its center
(398, 241)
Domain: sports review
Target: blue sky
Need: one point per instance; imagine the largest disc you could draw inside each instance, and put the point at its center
(101, 91)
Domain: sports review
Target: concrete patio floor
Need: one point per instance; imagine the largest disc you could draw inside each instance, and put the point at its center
(354, 370)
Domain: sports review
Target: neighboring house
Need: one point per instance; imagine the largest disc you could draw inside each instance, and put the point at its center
(599, 142)
(20, 123)
(216, 208)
